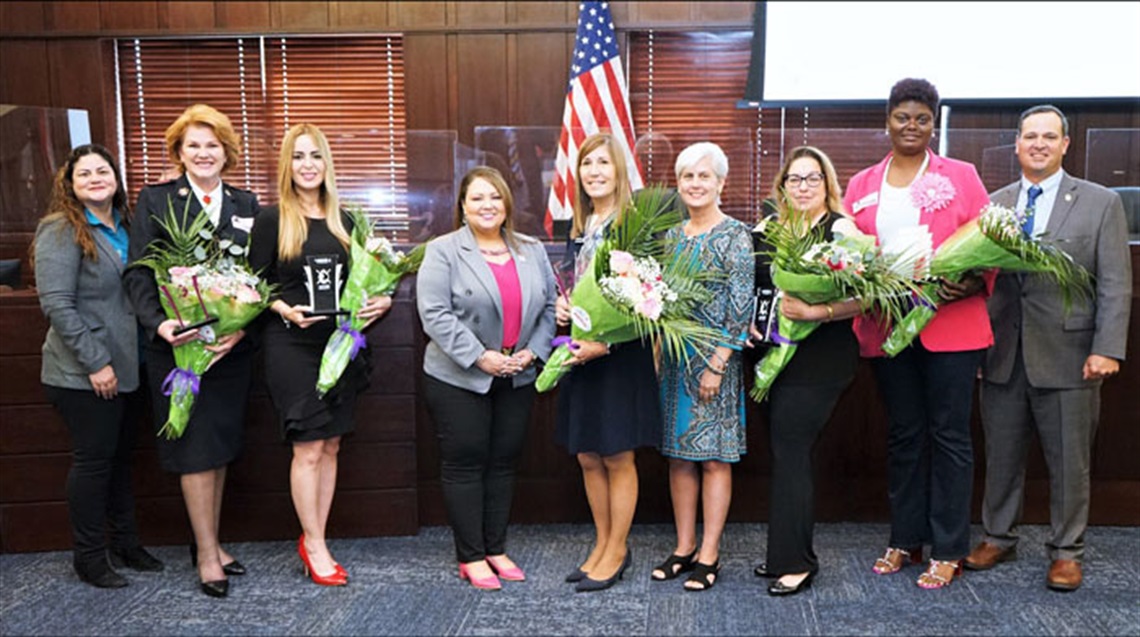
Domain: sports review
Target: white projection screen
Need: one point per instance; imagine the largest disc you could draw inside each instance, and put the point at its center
(843, 52)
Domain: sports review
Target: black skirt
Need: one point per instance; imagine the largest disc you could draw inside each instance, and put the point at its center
(214, 434)
(611, 404)
(292, 362)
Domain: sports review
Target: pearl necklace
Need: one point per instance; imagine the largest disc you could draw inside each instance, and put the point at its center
(495, 252)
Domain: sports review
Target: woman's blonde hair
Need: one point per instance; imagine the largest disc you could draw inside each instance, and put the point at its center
(833, 198)
(212, 118)
(583, 205)
(495, 178)
(292, 227)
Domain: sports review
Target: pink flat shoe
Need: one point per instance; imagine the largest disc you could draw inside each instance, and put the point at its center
(490, 583)
(512, 574)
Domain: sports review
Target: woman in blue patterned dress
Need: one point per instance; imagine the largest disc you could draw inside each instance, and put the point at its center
(702, 399)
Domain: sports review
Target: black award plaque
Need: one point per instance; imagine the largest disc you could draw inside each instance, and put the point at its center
(323, 274)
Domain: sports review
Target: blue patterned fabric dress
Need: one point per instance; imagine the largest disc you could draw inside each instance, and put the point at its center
(714, 430)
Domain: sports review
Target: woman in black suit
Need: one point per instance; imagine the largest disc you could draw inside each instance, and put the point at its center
(90, 369)
(308, 224)
(202, 144)
(807, 196)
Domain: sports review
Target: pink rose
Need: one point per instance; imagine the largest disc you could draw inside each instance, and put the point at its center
(649, 307)
(620, 262)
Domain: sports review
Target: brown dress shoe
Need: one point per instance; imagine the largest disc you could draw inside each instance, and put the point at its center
(1064, 575)
(986, 556)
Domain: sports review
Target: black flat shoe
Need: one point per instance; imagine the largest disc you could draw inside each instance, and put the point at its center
(217, 588)
(136, 558)
(673, 566)
(577, 576)
(100, 575)
(233, 568)
(588, 585)
(761, 570)
(778, 589)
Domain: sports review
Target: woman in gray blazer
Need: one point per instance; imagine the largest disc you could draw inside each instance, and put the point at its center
(486, 301)
(90, 368)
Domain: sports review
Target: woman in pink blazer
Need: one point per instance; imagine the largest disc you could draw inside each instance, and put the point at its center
(928, 388)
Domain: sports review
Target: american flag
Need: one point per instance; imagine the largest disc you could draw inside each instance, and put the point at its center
(596, 101)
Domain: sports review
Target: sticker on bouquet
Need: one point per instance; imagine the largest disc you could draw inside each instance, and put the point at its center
(581, 318)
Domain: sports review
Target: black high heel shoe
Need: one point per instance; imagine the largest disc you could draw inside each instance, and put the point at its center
(233, 568)
(217, 588)
(761, 570)
(577, 576)
(674, 566)
(778, 589)
(589, 585)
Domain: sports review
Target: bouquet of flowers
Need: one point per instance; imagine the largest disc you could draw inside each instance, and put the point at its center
(993, 240)
(813, 270)
(204, 283)
(375, 269)
(634, 288)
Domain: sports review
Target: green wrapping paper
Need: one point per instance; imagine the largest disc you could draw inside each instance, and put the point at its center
(592, 319)
(368, 276)
(810, 288)
(993, 240)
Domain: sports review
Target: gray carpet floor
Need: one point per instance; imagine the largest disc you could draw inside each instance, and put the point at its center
(409, 586)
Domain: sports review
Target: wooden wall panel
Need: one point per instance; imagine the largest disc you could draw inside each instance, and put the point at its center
(350, 15)
(427, 77)
(478, 14)
(542, 13)
(116, 15)
(723, 12)
(24, 73)
(662, 12)
(16, 17)
(481, 71)
(417, 14)
(242, 16)
(297, 16)
(77, 74)
(187, 15)
(69, 15)
(537, 95)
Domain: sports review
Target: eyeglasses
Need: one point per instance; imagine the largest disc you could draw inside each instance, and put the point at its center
(813, 180)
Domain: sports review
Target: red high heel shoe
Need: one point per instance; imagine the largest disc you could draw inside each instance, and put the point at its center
(336, 578)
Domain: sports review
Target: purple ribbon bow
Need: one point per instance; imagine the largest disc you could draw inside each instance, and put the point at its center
(564, 340)
(358, 340)
(179, 380)
(777, 337)
(919, 300)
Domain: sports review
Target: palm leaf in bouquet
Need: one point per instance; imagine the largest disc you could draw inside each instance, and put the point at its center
(375, 269)
(993, 240)
(814, 270)
(636, 287)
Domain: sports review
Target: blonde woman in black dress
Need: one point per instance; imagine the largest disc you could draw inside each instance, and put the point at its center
(308, 223)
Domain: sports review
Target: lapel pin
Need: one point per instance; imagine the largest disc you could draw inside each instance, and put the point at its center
(228, 193)
(1068, 197)
(183, 192)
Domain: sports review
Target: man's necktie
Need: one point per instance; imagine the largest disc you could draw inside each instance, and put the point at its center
(1030, 210)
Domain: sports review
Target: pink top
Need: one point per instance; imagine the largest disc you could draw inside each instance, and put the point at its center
(507, 277)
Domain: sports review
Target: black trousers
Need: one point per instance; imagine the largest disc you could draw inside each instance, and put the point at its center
(100, 498)
(930, 457)
(480, 439)
(797, 414)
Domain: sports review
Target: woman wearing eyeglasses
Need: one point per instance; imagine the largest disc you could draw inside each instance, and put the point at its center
(914, 195)
(807, 196)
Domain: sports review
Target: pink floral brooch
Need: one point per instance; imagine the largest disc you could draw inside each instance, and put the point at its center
(931, 192)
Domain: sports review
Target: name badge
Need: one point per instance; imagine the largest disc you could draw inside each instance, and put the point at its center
(245, 224)
(869, 200)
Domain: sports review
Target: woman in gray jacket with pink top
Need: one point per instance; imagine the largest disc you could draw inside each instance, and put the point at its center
(90, 368)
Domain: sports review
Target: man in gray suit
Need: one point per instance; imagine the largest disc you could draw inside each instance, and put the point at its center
(1047, 364)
